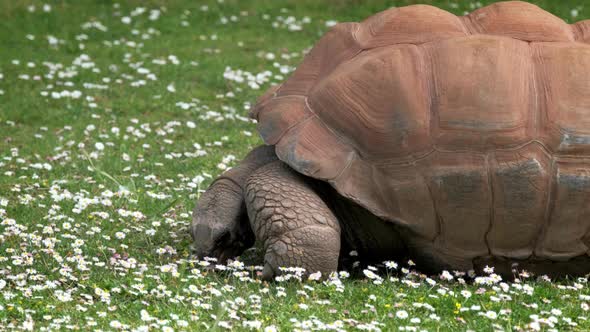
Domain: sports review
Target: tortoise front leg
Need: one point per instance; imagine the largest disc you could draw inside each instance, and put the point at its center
(292, 221)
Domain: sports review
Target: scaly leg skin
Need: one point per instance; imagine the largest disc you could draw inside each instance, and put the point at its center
(292, 221)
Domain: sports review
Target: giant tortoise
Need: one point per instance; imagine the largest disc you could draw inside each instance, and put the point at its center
(459, 142)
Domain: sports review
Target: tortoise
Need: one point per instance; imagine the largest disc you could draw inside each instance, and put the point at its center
(458, 141)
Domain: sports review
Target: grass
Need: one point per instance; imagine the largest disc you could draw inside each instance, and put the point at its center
(97, 183)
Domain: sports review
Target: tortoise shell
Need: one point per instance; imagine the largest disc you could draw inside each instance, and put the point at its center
(473, 132)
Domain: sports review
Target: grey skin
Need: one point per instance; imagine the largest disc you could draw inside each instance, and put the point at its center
(304, 222)
(299, 221)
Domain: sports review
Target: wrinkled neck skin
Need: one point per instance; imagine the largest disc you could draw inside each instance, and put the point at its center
(371, 239)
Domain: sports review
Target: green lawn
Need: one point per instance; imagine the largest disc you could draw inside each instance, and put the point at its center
(113, 117)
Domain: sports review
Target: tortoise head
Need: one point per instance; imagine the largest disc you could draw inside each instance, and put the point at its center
(220, 226)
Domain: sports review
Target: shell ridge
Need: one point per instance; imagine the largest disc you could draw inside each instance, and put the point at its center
(577, 31)
(351, 158)
(301, 122)
(294, 125)
(425, 65)
(492, 202)
(434, 121)
(278, 98)
(484, 130)
(499, 19)
(544, 147)
(339, 137)
(539, 239)
(541, 91)
(387, 207)
(400, 162)
(269, 95)
(353, 35)
(275, 93)
(437, 216)
(581, 31)
(535, 95)
(469, 25)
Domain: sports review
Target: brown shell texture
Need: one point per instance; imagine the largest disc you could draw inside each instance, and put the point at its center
(472, 131)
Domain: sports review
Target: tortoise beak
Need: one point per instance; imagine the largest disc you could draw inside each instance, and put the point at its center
(215, 243)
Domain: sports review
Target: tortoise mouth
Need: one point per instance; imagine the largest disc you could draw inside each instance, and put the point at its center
(223, 244)
(223, 248)
(223, 255)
